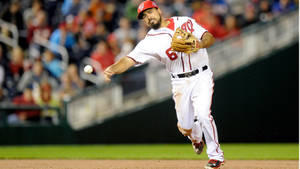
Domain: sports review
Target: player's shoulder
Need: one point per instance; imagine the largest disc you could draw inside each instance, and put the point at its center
(149, 40)
(158, 33)
(181, 18)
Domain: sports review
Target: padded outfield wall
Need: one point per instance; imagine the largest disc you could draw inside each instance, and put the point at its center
(257, 103)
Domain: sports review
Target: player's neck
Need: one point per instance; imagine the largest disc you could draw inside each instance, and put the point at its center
(164, 23)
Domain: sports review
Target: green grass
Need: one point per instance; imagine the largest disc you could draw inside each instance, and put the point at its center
(151, 151)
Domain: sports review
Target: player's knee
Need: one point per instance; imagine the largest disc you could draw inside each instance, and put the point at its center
(185, 132)
(204, 116)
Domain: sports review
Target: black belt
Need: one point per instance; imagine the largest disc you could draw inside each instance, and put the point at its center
(189, 74)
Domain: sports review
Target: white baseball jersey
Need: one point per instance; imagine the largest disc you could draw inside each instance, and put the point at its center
(157, 44)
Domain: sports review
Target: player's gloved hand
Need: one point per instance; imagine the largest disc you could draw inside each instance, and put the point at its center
(183, 41)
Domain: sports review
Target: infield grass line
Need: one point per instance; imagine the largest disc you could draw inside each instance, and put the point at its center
(253, 151)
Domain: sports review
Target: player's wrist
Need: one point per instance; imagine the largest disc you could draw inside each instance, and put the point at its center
(109, 71)
(199, 44)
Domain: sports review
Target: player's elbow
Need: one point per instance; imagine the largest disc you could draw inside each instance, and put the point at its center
(213, 40)
(210, 38)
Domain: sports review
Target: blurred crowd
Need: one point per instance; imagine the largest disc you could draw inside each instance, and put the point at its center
(102, 30)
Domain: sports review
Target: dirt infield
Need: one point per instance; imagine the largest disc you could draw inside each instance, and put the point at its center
(144, 164)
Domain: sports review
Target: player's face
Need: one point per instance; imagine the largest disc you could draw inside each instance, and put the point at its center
(152, 18)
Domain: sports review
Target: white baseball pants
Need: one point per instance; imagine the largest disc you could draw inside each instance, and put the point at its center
(193, 98)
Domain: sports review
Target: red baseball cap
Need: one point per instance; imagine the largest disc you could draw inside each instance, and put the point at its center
(144, 6)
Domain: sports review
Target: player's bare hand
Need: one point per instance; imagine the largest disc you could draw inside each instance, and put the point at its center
(108, 74)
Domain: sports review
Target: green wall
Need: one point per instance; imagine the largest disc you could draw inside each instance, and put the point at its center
(18, 135)
(260, 102)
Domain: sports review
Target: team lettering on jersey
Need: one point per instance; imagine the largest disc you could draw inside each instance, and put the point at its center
(187, 26)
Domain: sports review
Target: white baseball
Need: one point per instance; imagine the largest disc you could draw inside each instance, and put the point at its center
(88, 69)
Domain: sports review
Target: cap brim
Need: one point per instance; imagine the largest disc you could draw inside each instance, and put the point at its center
(139, 16)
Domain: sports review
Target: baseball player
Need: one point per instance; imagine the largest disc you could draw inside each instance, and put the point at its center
(180, 43)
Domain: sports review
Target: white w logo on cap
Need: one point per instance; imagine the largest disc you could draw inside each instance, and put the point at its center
(141, 7)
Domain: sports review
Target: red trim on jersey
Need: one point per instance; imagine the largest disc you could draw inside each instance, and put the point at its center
(134, 60)
(203, 34)
(159, 34)
(213, 127)
(182, 62)
(211, 94)
(211, 121)
(190, 62)
(171, 24)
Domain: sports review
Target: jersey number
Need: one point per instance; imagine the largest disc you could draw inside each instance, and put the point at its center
(171, 54)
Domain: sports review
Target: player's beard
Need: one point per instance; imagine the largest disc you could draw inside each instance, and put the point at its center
(155, 25)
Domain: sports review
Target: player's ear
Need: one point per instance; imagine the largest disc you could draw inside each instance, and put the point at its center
(159, 11)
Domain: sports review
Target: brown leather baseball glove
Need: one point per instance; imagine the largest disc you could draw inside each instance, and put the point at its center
(183, 41)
